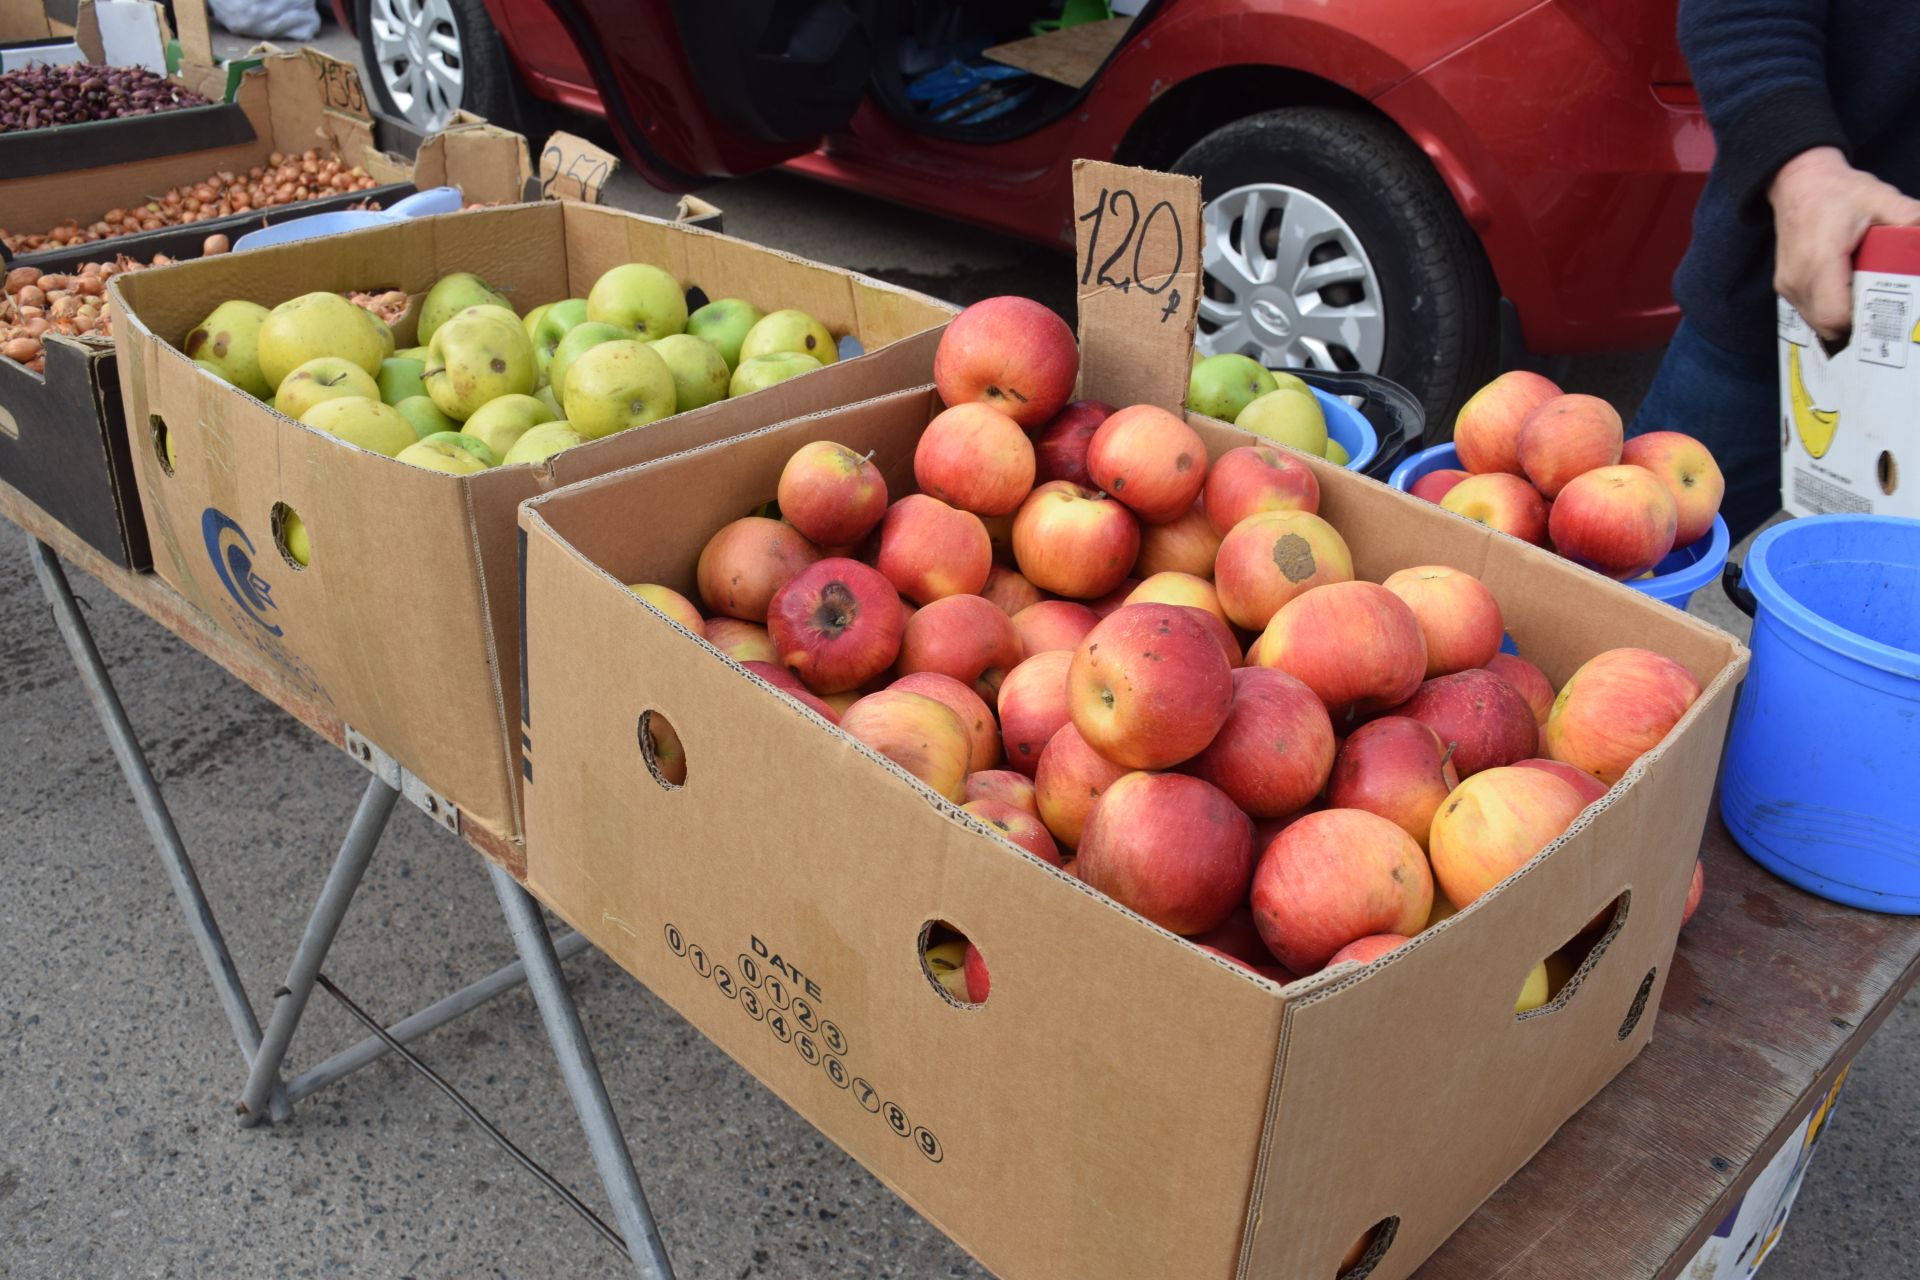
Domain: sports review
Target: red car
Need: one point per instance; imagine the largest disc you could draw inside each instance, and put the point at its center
(1401, 186)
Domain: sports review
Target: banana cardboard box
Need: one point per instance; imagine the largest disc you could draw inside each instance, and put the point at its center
(1848, 440)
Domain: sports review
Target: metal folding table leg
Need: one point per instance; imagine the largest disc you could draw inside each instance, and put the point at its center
(582, 1077)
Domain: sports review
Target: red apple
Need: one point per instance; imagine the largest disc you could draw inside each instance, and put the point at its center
(1486, 434)
(1060, 447)
(1171, 587)
(1691, 475)
(975, 458)
(832, 494)
(670, 602)
(836, 625)
(739, 640)
(1619, 705)
(1568, 436)
(965, 637)
(1008, 590)
(746, 562)
(1395, 767)
(1018, 826)
(1486, 721)
(1103, 606)
(1222, 634)
(1073, 541)
(1274, 752)
(1368, 949)
(1619, 521)
(1149, 459)
(929, 550)
(974, 713)
(1436, 485)
(788, 683)
(1186, 545)
(1333, 878)
(1172, 848)
(1256, 478)
(1696, 889)
(1500, 501)
(1530, 680)
(974, 968)
(1033, 706)
(1010, 353)
(1052, 624)
(1004, 785)
(919, 734)
(1458, 616)
(1356, 644)
(1071, 779)
(1149, 686)
(1493, 824)
(1271, 558)
(1237, 938)
(1265, 829)
(1589, 787)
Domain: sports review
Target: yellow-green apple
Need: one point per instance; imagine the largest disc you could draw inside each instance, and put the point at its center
(1009, 591)
(1179, 588)
(446, 451)
(947, 962)
(1486, 434)
(789, 331)
(1486, 721)
(922, 736)
(700, 374)
(1004, 786)
(362, 421)
(502, 421)
(1696, 889)
(544, 394)
(1356, 644)
(616, 385)
(554, 322)
(757, 373)
(963, 636)
(1018, 826)
(1289, 416)
(542, 442)
(531, 320)
(294, 535)
(452, 294)
(1436, 485)
(1149, 459)
(1366, 950)
(1589, 787)
(1032, 703)
(671, 603)
(1501, 501)
(313, 325)
(425, 416)
(323, 378)
(1530, 680)
(1337, 453)
(1273, 754)
(1185, 545)
(1170, 847)
(929, 550)
(1256, 478)
(1060, 446)
(1691, 475)
(741, 641)
(1617, 706)
(746, 562)
(399, 378)
(1458, 616)
(1220, 386)
(228, 343)
(975, 458)
(1273, 557)
(1074, 541)
(832, 494)
(1149, 686)
(789, 684)
(1565, 437)
(724, 322)
(1620, 521)
(669, 754)
(973, 711)
(1053, 624)
(1536, 990)
(836, 624)
(1493, 824)
(1070, 780)
(1333, 878)
(1011, 353)
(577, 340)
(475, 356)
(1396, 767)
(973, 971)
(640, 299)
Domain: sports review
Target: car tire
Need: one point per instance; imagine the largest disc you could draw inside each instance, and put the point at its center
(489, 82)
(1437, 299)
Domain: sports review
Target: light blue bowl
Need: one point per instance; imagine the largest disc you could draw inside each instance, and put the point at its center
(1350, 427)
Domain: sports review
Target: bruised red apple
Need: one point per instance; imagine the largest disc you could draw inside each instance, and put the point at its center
(976, 458)
(1010, 353)
(1368, 949)
(1436, 485)
(929, 550)
(836, 625)
(1070, 781)
(965, 637)
(1186, 545)
(959, 698)
(1272, 557)
(1060, 446)
(832, 494)
(1172, 848)
(1530, 680)
(1486, 721)
(1171, 587)
(741, 641)
(1007, 786)
(789, 684)
(1149, 686)
(1273, 754)
(1395, 767)
(1009, 591)
(746, 562)
(1018, 826)
(1589, 787)
(1620, 521)
(1074, 541)
(1568, 436)
(1486, 434)
(1355, 644)
(1691, 475)
(670, 602)
(974, 969)
(921, 735)
(1615, 708)
(1149, 459)
(1503, 502)
(1256, 478)
(1333, 878)
(1052, 624)
(1493, 824)
(1033, 706)
(1696, 889)
(1458, 616)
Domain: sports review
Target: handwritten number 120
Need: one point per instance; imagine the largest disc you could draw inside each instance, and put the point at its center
(1123, 203)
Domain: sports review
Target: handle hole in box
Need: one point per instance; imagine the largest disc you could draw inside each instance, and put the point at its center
(1638, 1008)
(1887, 471)
(661, 749)
(1551, 984)
(291, 536)
(953, 964)
(1369, 1250)
(162, 437)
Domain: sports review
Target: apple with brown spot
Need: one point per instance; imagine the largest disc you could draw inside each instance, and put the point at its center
(837, 624)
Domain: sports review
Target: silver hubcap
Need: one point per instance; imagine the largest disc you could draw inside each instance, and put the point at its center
(416, 44)
(1288, 283)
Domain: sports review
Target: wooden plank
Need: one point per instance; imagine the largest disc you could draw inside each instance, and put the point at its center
(1069, 56)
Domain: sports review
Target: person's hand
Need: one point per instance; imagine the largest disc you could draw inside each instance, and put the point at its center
(1822, 206)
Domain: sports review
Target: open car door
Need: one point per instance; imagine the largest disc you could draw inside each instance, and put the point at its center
(702, 89)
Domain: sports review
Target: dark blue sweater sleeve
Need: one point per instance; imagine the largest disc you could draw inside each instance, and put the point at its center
(1761, 69)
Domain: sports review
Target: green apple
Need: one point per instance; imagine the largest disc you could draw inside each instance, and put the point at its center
(699, 370)
(453, 294)
(789, 331)
(556, 321)
(544, 394)
(591, 333)
(443, 452)
(412, 353)
(399, 378)
(617, 385)
(317, 324)
(472, 444)
(1337, 453)
(542, 442)
(724, 322)
(1287, 417)
(760, 372)
(478, 356)
(532, 318)
(363, 421)
(1288, 382)
(425, 416)
(227, 342)
(643, 300)
(502, 422)
(381, 330)
(294, 537)
(1221, 386)
(322, 378)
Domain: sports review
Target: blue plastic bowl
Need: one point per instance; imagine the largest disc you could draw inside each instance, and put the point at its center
(1674, 580)
(1350, 427)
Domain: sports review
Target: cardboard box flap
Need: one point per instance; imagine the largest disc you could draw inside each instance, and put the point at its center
(489, 164)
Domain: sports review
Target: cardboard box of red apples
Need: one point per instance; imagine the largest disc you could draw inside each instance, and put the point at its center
(1112, 922)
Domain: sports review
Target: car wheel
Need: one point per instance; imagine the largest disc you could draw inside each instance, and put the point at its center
(430, 58)
(1331, 243)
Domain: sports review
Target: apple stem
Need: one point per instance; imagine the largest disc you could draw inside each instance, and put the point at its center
(1451, 747)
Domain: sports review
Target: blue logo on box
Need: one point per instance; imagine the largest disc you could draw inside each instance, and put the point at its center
(231, 551)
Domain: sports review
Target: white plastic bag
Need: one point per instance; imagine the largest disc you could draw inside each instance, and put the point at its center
(268, 19)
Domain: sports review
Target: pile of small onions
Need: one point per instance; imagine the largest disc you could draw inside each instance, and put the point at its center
(41, 97)
(37, 303)
(284, 179)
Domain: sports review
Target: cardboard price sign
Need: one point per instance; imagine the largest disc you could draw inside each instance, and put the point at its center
(1137, 234)
(572, 168)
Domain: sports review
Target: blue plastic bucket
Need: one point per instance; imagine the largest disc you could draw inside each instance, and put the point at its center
(1347, 425)
(1674, 580)
(1821, 784)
